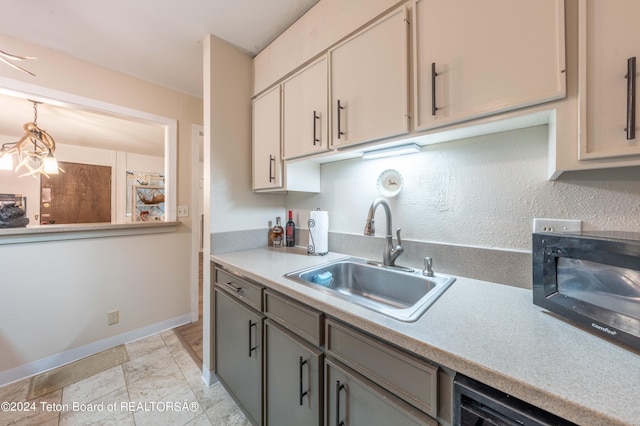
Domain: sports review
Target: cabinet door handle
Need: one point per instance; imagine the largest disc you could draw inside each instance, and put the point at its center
(305, 393)
(339, 387)
(434, 74)
(340, 108)
(251, 347)
(316, 117)
(631, 98)
(230, 284)
(272, 168)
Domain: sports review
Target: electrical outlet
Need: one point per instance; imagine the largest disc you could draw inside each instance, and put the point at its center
(183, 211)
(557, 225)
(113, 317)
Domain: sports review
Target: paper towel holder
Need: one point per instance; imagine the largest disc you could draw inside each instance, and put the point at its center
(311, 248)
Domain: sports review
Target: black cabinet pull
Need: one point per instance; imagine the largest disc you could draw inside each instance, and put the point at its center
(272, 168)
(340, 108)
(339, 387)
(316, 117)
(251, 347)
(305, 393)
(631, 98)
(230, 284)
(434, 74)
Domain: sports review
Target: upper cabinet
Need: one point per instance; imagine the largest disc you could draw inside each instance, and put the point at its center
(267, 163)
(609, 43)
(477, 58)
(368, 82)
(306, 122)
(270, 172)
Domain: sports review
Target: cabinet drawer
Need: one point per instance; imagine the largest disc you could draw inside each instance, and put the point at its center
(294, 316)
(352, 399)
(404, 375)
(249, 293)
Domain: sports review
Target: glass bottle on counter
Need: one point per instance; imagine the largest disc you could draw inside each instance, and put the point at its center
(270, 235)
(290, 231)
(278, 234)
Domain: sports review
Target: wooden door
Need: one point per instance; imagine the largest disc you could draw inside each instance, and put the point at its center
(82, 194)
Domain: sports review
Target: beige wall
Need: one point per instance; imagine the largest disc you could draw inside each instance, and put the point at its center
(230, 203)
(55, 295)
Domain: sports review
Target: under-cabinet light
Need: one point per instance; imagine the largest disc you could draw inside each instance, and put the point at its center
(389, 152)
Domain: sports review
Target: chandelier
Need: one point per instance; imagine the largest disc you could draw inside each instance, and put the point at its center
(7, 58)
(33, 152)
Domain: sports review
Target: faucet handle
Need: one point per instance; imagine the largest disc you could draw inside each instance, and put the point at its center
(428, 267)
(398, 235)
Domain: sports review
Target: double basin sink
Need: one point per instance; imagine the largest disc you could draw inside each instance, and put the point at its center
(401, 293)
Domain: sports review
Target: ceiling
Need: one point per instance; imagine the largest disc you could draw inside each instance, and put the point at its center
(159, 41)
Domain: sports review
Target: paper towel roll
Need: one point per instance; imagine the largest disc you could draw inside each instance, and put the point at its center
(318, 232)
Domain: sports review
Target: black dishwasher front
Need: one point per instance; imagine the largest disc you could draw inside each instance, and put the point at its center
(477, 404)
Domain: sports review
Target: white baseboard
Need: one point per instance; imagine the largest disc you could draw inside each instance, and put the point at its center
(54, 361)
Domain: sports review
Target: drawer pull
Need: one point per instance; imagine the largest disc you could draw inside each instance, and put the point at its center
(631, 98)
(230, 284)
(305, 393)
(339, 387)
(251, 347)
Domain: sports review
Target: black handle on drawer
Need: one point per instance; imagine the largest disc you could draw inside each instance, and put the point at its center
(339, 387)
(631, 98)
(230, 285)
(340, 108)
(251, 348)
(272, 168)
(434, 74)
(316, 117)
(305, 393)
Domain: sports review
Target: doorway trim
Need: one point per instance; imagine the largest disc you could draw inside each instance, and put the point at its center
(197, 136)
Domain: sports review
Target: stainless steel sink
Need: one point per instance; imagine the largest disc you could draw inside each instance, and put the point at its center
(401, 294)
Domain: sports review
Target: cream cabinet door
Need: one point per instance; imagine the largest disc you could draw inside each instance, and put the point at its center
(267, 162)
(306, 123)
(609, 38)
(485, 57)
(368, 77)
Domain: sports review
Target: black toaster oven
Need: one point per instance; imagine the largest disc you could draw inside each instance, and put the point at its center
(591, 278)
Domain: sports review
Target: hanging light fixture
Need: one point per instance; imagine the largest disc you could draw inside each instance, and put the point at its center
(33, 152)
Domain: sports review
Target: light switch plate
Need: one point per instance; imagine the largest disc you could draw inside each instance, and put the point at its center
(183, 211)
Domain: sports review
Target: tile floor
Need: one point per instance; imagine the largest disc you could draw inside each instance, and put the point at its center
(159, 385)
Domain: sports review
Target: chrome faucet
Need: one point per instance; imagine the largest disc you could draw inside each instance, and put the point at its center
(391, 253)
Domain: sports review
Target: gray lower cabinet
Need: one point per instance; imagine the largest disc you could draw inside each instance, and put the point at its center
(352, 399)
(286, 363)
(293, 379)
(238, 347)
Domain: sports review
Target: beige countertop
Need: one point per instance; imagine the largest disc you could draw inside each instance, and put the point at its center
(490, 332)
